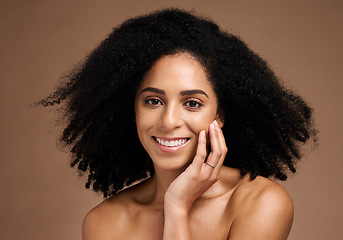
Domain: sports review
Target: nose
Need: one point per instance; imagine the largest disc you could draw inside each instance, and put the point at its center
(171, 117)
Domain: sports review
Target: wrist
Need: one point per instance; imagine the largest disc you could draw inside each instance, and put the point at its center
(174, 208)
(176, 223)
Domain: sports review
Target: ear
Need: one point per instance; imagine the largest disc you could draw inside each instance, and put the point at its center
(220, 117)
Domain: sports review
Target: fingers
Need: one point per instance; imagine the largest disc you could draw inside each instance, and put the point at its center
(201, 150)
(222, 144)
(215, 154)
(218, 149)
(215, 159)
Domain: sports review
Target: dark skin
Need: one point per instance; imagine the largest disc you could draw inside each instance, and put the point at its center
(187, 198)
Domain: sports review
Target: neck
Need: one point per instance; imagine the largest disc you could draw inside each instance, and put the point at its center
(160, 182)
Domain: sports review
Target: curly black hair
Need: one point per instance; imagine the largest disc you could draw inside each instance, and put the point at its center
(265, 123)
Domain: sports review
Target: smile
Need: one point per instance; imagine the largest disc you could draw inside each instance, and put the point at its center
(171, 142)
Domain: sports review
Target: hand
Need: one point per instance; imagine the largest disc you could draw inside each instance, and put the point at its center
(199, 176)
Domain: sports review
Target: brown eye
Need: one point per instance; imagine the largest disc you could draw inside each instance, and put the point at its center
(193, 104)
(153, 101)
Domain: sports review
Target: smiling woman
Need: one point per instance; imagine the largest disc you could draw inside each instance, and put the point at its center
(170, 114)
(195, 119)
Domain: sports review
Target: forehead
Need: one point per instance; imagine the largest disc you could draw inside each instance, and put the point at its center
(177, 72)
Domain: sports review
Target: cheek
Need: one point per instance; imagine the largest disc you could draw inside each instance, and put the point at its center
(141, 122)
(144, 122)
(141, 130)
(202, 120)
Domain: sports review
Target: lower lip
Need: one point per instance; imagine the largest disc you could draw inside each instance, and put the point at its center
(170, 149)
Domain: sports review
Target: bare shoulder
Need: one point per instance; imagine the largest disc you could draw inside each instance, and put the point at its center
(108, 220)
(262, 191)
(262, 210)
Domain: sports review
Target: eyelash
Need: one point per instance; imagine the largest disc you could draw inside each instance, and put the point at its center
(149, 101)
(198, 104)
(187, 103)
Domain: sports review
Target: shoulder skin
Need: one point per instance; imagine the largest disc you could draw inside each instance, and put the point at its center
(262, 209)
(108, 220)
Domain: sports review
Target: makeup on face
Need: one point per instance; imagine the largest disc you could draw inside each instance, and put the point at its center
(174, 102)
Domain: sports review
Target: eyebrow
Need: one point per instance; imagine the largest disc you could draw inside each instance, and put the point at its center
(191, 92)
(182, 93)
(155, 90)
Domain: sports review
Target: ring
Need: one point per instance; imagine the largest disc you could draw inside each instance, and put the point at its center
(211, 165)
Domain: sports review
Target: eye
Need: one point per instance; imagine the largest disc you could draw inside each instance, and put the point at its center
(193, 104)
(153, 101)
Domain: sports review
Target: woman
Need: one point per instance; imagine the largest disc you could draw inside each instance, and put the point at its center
(180, 125)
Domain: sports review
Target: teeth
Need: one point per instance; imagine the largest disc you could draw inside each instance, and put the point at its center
(172, 143)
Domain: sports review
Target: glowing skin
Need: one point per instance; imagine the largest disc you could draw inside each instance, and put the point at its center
(174, 102)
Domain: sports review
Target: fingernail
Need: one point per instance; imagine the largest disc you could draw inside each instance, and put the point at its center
(212, 125)
(202, 133)
(216, 123)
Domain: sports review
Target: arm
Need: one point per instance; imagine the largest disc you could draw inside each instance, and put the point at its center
(192, 183)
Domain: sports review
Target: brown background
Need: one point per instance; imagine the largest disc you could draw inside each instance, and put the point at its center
(42, 198)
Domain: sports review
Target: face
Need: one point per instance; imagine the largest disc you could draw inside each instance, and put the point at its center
(173, 103)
